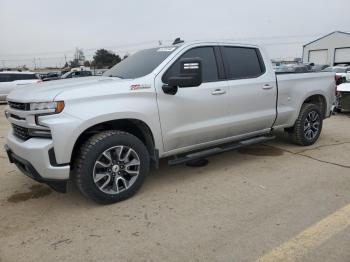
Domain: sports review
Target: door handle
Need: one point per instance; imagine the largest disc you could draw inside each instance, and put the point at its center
(267, 86)
(218, 92)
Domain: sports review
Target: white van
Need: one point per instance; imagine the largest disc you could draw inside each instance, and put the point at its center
(10, 80)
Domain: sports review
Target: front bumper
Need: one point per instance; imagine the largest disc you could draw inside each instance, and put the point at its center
(32, 158)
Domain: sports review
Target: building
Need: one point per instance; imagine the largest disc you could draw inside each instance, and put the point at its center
(331, 49)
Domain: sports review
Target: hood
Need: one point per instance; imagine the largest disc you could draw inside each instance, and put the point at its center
(47, 91)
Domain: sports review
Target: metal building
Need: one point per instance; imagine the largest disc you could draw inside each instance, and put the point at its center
(331, 49)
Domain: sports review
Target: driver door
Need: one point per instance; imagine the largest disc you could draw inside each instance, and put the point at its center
(194, 115)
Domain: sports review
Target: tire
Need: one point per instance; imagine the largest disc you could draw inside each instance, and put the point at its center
(107, 164)
(301, 136)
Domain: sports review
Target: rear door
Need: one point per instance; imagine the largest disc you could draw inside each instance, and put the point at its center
(252, 90)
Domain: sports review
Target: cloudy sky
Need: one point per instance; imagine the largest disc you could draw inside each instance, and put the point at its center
(47, 31)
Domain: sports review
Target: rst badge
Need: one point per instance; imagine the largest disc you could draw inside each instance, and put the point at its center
(138, 87)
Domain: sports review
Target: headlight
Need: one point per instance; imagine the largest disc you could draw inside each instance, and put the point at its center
(57, 106)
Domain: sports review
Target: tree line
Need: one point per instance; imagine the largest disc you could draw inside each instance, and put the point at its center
(102, 59)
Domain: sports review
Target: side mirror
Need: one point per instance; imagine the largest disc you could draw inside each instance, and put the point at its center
(190, 73)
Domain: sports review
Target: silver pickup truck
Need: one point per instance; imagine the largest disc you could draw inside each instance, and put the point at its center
(186, 102)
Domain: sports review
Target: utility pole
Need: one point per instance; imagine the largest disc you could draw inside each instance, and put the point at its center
(34, 62)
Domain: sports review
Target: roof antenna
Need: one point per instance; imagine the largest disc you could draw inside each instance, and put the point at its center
(178, 41)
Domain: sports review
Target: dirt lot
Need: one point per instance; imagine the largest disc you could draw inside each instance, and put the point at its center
(274, 202)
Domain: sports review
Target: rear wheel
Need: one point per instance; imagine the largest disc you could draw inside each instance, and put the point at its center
(111, 166)
(308, 126)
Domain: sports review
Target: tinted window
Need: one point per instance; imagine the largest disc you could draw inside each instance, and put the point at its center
(242, 62)
(87, 73)
(14, 77)
(209, 68)
(141, 63)
(24, 76)
(5, 78)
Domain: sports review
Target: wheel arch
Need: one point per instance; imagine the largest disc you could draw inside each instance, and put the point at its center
(135, 127)
(319, 100)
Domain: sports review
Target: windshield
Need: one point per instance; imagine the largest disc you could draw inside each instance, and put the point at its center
(335, 69)
(140, 64)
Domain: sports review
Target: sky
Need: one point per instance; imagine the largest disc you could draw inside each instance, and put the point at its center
(46, 33)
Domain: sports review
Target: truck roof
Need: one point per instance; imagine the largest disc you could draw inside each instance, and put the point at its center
(211, 42)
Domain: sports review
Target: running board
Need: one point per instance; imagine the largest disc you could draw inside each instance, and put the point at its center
(218, 150)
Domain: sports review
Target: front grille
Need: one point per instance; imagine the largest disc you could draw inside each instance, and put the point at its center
(19, 106)
(21, 132)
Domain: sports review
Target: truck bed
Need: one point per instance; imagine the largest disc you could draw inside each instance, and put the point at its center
(294, 88)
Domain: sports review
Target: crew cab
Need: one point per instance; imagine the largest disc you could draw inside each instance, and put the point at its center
(183, 102)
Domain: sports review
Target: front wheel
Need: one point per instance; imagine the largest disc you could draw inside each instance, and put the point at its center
(308, 125)
(111, 166)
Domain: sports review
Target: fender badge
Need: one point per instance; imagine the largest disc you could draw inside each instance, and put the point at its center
(137, 87)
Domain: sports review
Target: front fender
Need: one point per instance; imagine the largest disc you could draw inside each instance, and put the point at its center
(76, 118)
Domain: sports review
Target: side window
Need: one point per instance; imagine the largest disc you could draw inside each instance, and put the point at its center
(5, 78)
(209, 67)
(17, 77)
(242, 62)
(25, 76)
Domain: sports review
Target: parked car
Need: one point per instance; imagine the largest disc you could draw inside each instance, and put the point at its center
(51, 76)
(99, 72)
(341, 71)
(187, 101)
(343, 97)
(293, 68)
(10, 80)
(73, 74)
(70, 74)
(343, 65)
(318, 68)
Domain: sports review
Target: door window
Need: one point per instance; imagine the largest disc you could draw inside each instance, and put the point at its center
(209, 67)
(242, 62)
